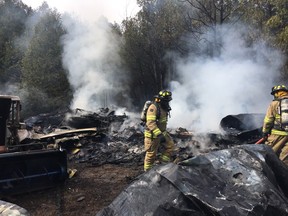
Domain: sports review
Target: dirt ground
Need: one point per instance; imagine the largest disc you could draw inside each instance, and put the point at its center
(87, 192)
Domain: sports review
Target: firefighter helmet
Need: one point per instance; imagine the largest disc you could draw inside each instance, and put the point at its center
(278, 88)
(165, 95)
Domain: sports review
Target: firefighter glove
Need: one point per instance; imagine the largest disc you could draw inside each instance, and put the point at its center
(162, 138)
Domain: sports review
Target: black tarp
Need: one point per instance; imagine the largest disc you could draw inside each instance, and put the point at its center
(242, 122)
(244, 180)
(243, 128)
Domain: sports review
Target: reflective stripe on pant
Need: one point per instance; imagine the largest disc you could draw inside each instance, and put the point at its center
(169, 148)
(151, 148)
(279, 145)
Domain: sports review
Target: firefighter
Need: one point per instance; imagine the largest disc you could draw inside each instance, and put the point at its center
(155, 134)
(275, 126)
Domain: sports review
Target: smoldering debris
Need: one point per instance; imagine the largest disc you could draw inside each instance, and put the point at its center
(236, 181)
(87, 136)
(212, 174)
(76, 119)
(99, 137)
(243, 127)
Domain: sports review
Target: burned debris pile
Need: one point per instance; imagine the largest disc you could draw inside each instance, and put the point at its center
(76, 119)
(103, 137)
(89, 137)
(236, 181)
(242, 128)
(213, 174)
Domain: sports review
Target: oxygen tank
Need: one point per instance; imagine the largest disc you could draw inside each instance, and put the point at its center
(144, 110)
(284, 114)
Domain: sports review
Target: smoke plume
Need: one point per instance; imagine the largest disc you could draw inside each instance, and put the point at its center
(90, 56)
(238, 80)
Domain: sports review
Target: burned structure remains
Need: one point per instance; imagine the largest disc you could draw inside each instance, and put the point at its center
(213, 174)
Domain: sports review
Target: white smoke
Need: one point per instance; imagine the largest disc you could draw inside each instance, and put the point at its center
(90, 55)
(115, 11)
(237, 81)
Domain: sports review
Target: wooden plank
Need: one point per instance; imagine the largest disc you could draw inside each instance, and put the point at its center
(65, 132)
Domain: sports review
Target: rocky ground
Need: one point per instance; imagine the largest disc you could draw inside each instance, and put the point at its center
(88, 191)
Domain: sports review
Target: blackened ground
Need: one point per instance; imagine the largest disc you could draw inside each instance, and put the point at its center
(87, 192)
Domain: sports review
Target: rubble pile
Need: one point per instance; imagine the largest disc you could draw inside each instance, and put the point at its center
(236, 181)
(221, 173)
(90, 137)
(100, 137)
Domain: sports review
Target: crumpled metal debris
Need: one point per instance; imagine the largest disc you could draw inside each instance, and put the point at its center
(10, 209)
(238, 181)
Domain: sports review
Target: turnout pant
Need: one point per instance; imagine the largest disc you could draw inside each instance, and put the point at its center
(151, 148)
(279, 145)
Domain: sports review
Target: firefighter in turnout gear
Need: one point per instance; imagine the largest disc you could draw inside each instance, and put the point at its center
(155, 134)
(275, 126)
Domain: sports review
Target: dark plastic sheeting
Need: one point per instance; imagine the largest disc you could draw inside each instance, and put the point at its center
(243, 128)
(245, 180)
(242, 122)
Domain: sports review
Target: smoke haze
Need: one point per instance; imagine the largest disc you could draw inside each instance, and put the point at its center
(90, 55)
(114, 11)
(236, 81)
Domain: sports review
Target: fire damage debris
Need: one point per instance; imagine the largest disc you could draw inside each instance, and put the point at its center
(243, 128)
(241, 180)
(84, 134)
(9, 209)
(102, 137)
(76, 119)
(40, 159)
(24, 168)
(110, 139)
(97, 145)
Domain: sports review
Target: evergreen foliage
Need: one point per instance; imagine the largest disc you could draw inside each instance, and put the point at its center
(43, 74)
(13, 14)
